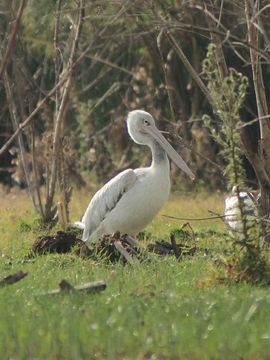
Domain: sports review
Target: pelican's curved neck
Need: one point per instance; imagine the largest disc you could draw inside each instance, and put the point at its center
(159, 156)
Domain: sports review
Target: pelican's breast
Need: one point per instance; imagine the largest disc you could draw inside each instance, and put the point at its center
(141, 203)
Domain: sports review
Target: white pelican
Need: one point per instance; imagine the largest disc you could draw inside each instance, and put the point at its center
(130, 200)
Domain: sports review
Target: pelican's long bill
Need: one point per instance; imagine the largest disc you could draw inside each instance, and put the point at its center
(175, 157)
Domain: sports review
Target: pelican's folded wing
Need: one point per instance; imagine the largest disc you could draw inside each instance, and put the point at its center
(105, 200)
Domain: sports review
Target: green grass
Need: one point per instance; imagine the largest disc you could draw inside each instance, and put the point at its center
(160, 310)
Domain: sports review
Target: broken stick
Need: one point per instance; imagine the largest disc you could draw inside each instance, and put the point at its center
(11, 279)
(66, 287)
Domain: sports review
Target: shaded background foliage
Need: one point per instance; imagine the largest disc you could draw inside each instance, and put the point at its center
(126, 67)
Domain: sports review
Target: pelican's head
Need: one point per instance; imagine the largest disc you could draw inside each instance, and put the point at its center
(143, 130)
(137, 122)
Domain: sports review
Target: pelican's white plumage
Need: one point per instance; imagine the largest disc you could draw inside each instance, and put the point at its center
(130, 200)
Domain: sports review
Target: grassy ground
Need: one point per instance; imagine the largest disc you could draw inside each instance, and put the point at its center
(160, 310)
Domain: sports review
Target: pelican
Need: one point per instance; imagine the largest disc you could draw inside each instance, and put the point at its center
(129, 201)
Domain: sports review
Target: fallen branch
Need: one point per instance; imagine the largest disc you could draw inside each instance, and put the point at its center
(164, 248)
(11, 279)
(65, 287)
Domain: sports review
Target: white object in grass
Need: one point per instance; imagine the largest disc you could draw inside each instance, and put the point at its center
(232, 210)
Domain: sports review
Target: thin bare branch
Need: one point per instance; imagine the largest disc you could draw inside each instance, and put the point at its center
(109, 63)
(60, 114)
(35, 173)
(253, 121)
(195, 219)
(27, 121)
(216, 39)
(191, 70)
(22, 153)
(226, 34)
(11, 41)
(57, 51)
(168, 87)
(112, 89)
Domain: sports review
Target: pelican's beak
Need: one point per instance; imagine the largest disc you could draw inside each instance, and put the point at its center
(175, 157)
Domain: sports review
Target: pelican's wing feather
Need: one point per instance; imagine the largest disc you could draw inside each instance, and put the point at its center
(105, 200)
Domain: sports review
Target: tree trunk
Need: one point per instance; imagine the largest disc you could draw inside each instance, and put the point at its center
(258, 154)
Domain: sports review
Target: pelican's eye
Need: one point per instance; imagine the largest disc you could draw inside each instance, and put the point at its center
(146, 122)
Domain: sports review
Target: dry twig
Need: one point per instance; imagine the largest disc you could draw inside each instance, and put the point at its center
(89, 288)
(11, 279)
(11, 41)
(15, 122)
(59, 120)
(190, 69)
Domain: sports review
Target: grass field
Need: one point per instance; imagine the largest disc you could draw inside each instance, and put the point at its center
(165, 309)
